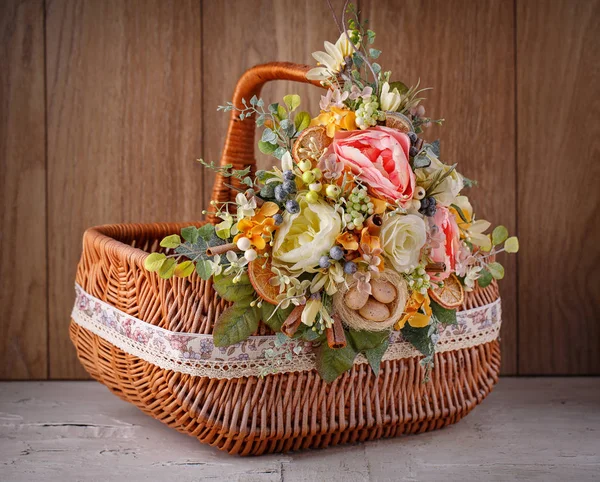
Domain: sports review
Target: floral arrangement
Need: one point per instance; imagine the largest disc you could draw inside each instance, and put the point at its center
(359, 230)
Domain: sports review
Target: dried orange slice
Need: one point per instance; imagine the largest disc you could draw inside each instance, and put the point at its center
(260, 273)
(310, 144)
(450, 295)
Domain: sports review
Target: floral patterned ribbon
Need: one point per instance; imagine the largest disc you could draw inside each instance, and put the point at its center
(195, 354)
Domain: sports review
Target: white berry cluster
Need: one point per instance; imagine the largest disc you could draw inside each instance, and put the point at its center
(368, 113)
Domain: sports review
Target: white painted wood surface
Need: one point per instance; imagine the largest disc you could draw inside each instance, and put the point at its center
(545, 429)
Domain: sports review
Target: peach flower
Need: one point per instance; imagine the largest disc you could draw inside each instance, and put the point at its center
(445, 229)
(380, 155)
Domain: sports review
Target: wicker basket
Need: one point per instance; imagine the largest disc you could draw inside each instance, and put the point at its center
(278, 412)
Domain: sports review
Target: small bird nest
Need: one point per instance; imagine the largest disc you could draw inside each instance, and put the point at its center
(354, 320)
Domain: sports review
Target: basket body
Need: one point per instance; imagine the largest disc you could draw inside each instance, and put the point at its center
(274, 413)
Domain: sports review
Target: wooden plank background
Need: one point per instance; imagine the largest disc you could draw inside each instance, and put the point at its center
(105, 105)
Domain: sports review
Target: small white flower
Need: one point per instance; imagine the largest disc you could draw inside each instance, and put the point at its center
(245, 208)
(215, 265)
(332, 60)
(235, 263)
(286, 162)
(365, 94)
(472, 275)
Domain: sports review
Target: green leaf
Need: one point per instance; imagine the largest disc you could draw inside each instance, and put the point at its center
(273, 316)
(167, 269)
(269, 136)
(444, 315)
(419, 338)
(367, 340)
(374, 53)
(485, 278)
(235, 324)
(460, 212)
(287, 127)
(172, 241)
(331, 363)
(279, 152)
(292, 101)
(511, 245)
(435, 147)
(371, 36)
(302, 121)
(401, 86)
(499, 235)
(190, 234)
(154, 261)
(266, 147)
(496, 270)
(230, 291)
(374, 355)
(206, 231)
(204, 269)
(183, 270)
(281, 112)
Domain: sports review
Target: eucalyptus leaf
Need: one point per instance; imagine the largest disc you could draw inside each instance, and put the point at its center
(435, 147)
(331, 363)
(511, 245)
(496, 270)
(183, 270)
(171, 241)
(204, 269)
(279, 152)
(267, 147)
(167, 269)
(190, 234)
(269, 136)
(302, 121)
(206, 231)
(235, 324)
(499, 235)
(485, 278)
(291, 101)
(288, 127)
(154, 261)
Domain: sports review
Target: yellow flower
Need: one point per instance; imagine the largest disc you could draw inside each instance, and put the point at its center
(335, 119)
(259, 227)
(411, 311)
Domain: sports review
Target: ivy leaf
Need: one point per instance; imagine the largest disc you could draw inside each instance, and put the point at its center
(235, 324)
(419, 338)
(269, 136)
(371, 36)
(206, 232)
(230, 291)
(266, 147)
(154, 261)
(499, 235)
(288, 127)
(496, 270)
(273, 108)
(279, 152)
(357, 60)
(485, 278)
(511, 245)
(190, 234)
(273, 316)
(444, 315)
(367, 340)
(332, 363)
(302, 121)
(204, 269)
(172, 241)
(292, 101)
(374, 355)
(376, 67)
(374, 53)
(167, 269)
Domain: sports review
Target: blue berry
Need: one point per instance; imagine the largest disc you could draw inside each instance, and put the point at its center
(278, 218)
(336, 253)
(289, 175)
(428, 206)
(280, 193)
(292, 207)
(324, 262)
(413, 151)
(350, 267)
(289, 187)
(413, 137)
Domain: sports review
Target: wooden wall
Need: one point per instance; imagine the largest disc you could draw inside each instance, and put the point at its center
(105, 105)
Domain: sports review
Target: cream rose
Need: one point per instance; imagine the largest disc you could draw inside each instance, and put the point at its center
(446, 192)
(304, 237)
(402, 237)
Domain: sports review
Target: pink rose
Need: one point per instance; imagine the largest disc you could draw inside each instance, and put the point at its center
(380, 155)
(444, 226)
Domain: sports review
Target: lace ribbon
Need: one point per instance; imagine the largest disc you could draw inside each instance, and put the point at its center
(195, 354)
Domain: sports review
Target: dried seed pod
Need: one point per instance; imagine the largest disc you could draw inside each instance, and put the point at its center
(398, 121)
(383, 291)
(374, 310)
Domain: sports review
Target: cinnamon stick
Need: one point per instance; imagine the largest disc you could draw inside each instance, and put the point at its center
(292, 323)
(222, 249)
(436, 267)
(335, 334)
(374, 223)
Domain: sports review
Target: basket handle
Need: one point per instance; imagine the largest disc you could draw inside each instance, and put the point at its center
(239, 143)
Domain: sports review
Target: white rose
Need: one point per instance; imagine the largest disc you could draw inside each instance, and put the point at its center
(304, 237)
(445, 193)
(402, 237)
